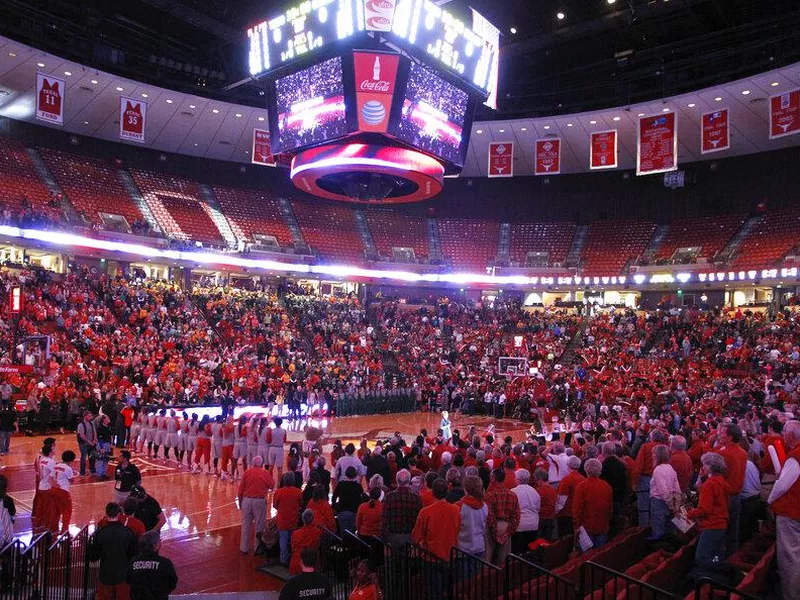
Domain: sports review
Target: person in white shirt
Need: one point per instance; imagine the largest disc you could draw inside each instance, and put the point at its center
(348, 460)
(557, 459)
(61, 481)
(665, 492)
(41, 513)
(529, 505)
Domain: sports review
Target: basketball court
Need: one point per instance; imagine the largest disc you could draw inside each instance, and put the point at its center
(202, 532)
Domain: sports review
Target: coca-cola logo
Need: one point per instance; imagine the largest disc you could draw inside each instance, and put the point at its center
(379, 5)
(375, 86)
(378, 22)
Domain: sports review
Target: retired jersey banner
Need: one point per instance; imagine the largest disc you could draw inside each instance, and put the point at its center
(547, 158)
(603, 150)
(262, 149)
(501, 159)
(657, 144)
(50, 99)
(132, 116)
(784, 114)
(715, 131)
(376, 76)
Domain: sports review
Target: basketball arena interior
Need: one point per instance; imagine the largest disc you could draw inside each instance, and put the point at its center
(399, 299)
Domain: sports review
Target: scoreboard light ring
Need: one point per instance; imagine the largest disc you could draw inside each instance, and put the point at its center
(422, 176)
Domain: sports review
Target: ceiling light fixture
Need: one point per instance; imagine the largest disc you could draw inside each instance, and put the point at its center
(192, 106)
(513, 30)
(94, 81)
(502, 130)
(12, 54)
(119, 89)
(169, 101)
(569, 124)
(745, 92)
(215, 111)
(238, 115)
(692, 104)
(640, 115)
(560, 16)
(718, 99)
(547, 126)
(40, 65)
(524, 129)
(592, 122)
(774, 84)
(616, 119)
(145, 95)
(260, 118)
(479, 131)
(665, 110)
(68, 73)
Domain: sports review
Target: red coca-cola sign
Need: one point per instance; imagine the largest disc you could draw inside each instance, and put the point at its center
(383, 87)
(375, 75)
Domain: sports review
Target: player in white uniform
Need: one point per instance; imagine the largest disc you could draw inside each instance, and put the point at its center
(263, 446)
(183, 433)
(160, 435)
(252, 439)
(193, 428)
(132, 439)
(171, 437)
(61, 481)
(150, 432)
(216, 443)
(240, 445)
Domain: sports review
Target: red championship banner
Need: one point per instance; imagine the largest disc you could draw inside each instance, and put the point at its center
(501, 159)
(657, 144)
(547, 157)
(715, 131)
(262, 149)
(50, 99)
(784, 114)
(603, 150)
(376, 76)
(132, 116)
(379, 14)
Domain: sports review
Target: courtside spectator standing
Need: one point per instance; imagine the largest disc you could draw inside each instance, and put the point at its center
(148, 510)
(253, 489)
(308, 585)
(785, 504)
(114, 545)
(400, 510)
(150, 575)
(126, 475)
(9, 423)
(87, 442)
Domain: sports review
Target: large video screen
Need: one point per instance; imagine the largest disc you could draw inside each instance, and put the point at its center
(433, 115)
(310, 106)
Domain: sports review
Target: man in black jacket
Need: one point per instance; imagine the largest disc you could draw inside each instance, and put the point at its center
(615, 474)
(113, 545)
(151, 576)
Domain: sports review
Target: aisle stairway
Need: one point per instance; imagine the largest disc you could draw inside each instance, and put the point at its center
(576, 249)
(133, 190)
(504, 244)
(231, 238)
(729, 252)
(655, 242)
(366, 236)
(294, 227)
(47, 177)
(434, 244)
(575, 344)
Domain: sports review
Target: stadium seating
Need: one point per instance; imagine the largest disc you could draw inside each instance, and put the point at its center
(19, 179)
(770, 240)
(330, 230)
(469, 243)
(395, 230)
(610, 245)
(177, 206)
(253, 212)
(554, 238)
(93, 185)
(711, 234)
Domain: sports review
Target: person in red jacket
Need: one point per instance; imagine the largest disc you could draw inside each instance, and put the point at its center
(438, 525)
(286, 501)
(593, 504)
(785, 504)
(711, 513)
(566, 493)
(729, 436)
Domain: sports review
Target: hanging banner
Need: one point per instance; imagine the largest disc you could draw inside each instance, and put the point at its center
(132, 115)
(784, 114)
(376, 75)
(501, 159)
(379, 14)
(547, 157)
(262, 149)
(715, 131)
(603, 150)
(657, 144)
(50, 99)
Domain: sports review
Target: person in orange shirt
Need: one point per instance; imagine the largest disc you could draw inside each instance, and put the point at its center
(681, 462)
(565, 494)
(366, 587)
(426, 494)
(711, 513)
(253, 489)
(593, 504)
(306, 538)
(729, 437)
(369, 519)
(437, 526)
(286, 501)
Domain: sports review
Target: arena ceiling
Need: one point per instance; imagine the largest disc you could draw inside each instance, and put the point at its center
(602, 53)
(198, 126)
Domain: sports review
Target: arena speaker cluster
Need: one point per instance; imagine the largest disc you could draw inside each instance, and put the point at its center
(372, 101)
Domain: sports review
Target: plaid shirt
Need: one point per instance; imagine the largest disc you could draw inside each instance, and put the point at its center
(503, 506)
(400, 510)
